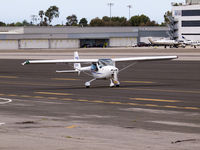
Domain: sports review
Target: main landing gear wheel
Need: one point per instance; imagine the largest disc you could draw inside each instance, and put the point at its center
(117, 85)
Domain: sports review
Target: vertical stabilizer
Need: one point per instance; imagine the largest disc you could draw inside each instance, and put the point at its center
(77, 66)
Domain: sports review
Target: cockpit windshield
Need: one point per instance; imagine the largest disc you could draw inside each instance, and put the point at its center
(105, 62)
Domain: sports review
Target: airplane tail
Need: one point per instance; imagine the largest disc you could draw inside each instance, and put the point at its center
(77, 66)
(150, 40)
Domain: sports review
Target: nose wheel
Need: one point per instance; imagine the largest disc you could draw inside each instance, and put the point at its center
(87, 84)
(114, 83)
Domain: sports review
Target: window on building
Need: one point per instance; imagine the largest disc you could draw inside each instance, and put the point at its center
(191, 23)
(190, 12)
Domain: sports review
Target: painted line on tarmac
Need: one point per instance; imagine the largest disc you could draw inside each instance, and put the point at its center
(9, 77)
(30, 84)
(158, 90)
(6, 101)
(65, 79)
(108, 102)
(145, 82)
(2, 123)
(155, 100)
(71, 127)
(51, 93)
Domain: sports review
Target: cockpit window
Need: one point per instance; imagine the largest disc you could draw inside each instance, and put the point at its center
(105, 62)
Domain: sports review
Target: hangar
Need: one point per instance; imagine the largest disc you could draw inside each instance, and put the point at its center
(76, 37)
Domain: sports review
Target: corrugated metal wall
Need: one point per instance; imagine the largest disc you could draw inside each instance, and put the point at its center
(26, 44)
(59, 44)
(8, 44)
(123, 42)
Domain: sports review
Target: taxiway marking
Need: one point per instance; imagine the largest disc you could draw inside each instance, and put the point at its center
(71, 127)
(145, 82)
(155, 100)
(9, 77)
(50, 93)
(2, 123)
(158, 90)
(65, 79)
(112, 102)
(28, 83)
(6, 100)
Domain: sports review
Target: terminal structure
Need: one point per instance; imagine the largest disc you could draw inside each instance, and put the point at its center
(76, 37)
(185, 20)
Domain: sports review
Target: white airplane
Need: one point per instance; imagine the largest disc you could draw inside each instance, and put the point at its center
(190, 42)
(99, 68)
(165, 43)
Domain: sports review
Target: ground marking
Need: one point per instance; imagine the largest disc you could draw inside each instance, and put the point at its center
(71, 127)
(6, 100)
(50, 93)
(146, 82)
(155, 100)
(158, 90)
(111, 102)
(2, 123)
(8, 77)
(65, 79)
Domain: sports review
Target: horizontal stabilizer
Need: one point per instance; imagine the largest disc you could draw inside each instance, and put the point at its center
(67, 71)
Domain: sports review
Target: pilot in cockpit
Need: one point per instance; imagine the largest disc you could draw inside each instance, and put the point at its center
(94, 67)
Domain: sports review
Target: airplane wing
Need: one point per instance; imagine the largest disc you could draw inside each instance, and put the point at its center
(59, 61)
(148, 58)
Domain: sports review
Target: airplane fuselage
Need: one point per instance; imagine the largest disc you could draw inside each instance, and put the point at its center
(105, 72)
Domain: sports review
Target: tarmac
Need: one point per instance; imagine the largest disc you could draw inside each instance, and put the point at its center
(156, 107)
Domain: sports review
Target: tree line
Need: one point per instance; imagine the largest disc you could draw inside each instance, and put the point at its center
(45, 18)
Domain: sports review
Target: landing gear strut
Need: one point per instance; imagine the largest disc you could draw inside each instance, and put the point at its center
(87, 84)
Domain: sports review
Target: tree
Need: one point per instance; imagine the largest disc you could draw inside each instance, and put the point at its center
(52, 12)
(96, 22)
(141, 20)
(72, 20)
(119, 21)
(18, 24)
(41, 14)
(2, 24)
(83, 22)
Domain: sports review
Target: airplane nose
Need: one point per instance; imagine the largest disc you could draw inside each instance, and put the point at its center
(114, 70)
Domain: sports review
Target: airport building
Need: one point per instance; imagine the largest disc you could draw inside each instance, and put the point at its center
(185, 21)
(76, 37)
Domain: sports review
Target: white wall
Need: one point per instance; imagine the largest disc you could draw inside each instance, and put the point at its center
(26, 44)
(8, 44)
(122, 42)
(59, 44)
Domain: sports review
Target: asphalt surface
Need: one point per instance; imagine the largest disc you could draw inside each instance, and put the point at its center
(161, 96)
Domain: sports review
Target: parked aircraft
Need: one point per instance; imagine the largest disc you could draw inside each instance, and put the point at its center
(99, 68)
(190, 42)
(165, 43)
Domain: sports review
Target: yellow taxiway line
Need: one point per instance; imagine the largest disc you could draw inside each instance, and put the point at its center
(65, 79)
(154, 100)
(145, 82)
(9, 77)
(159, 90)
(114, 102)
(50, 93)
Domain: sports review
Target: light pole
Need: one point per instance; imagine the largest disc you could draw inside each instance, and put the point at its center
(129, 7)
(110, 5)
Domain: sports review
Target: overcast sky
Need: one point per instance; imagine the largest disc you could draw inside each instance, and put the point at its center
(18, 10)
